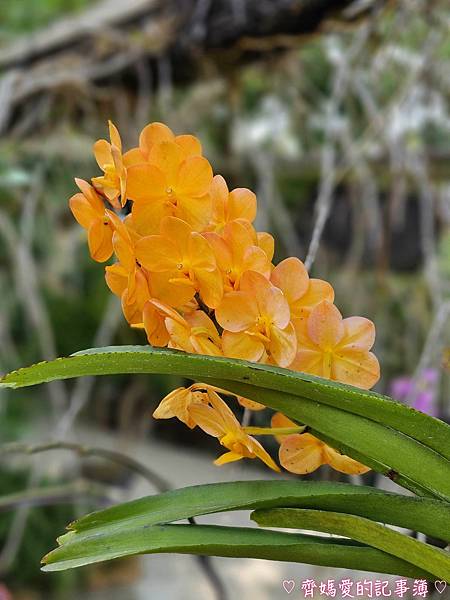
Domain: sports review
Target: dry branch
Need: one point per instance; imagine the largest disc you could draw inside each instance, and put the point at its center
(113, 36)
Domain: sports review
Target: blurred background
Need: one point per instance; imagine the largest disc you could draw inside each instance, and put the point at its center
(336, 113)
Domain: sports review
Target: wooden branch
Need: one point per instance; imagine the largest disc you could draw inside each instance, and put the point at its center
(114, 36)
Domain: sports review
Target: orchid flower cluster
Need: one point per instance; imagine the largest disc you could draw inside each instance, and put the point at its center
(193, 272)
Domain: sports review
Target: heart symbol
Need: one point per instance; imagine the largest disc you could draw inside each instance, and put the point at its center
(289, 585)
(440, 586)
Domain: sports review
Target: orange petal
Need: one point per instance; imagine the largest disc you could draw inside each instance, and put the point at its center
(308, 361)
(179, 335)
(241, 205)
(167, 156)
(359, 333)
(155, 327)
(189, 144)
(194, 210)
(255, 259)
(325, 326)
(210, 286)
(239, 239)
(238, 311)
(133, 157)
(102, 153)
(221, 250)
(343, 463)
(283, 345)
(83, 211)
(266, 243)
(100, 241)
(124, 251)
(206, 418)
(173, 294)
(280, 420)
(250, 404)
(147, 216)
(178, 232)
(241, 345)
(227, 458)
(116, 278)
(301, 453)
(114, 136)
(154, 133)
(201, 254)
(219, 196)
(145, 182)
(194, 177)
(292, 278)
(355, 367)
(256, 448)
(317, 291)
(157, 253)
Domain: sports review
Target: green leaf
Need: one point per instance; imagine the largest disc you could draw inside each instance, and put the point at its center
(401, 458)
(414, 455)
(433, 560)
(429, 516)
(234, 542)
(144, 359)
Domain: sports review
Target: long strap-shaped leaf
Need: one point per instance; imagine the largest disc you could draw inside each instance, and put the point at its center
(390, 452)
(409, 462)
(231, 542)
(422, 555)
(144, 359)
(429, 516)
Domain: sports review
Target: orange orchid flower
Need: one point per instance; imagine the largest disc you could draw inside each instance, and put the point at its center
(216, 419)
(108, 155)
(174, 181)
(228, 206)
(336, 348)
(88, 209)
(178, 402)
(301, 292)
(256, 322)
(186, 256)
(117, 279)
(302, 453)
(236, 253)
(194, 332)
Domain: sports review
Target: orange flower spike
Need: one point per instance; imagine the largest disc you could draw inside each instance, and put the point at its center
(301, 292)
(187, 256)
(228, 206)
(236, 253)
(256, 320)
(108, 155)
(218, 420)
(175, 181)
(88, 209)
(336, 348)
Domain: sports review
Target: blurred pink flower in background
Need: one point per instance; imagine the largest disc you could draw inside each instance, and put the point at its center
(420, 394)
(4, 593)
